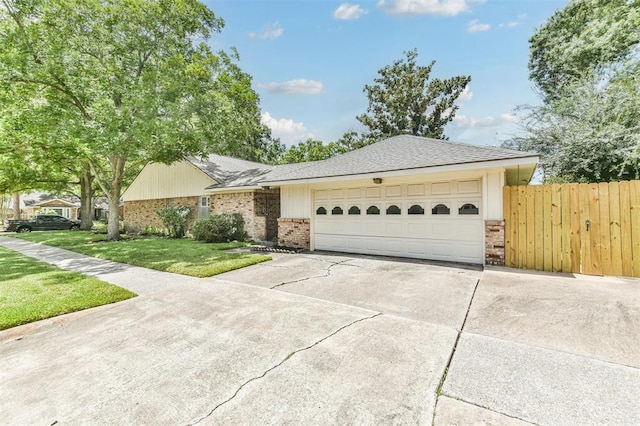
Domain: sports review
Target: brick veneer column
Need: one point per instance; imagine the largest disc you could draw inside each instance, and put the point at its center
(294, 233)
(494, 242)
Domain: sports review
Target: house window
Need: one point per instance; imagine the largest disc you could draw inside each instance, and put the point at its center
(373, 210)
(321, 210)
(416, 209)
(393, 210)
(468, 209)
(204, 206)
(440, 209)
(336, 210)
(354, 210)
(60, 211)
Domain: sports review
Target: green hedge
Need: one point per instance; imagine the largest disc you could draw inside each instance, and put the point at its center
(219, 228)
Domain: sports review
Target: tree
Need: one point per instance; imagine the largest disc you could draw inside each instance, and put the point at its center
(404, 99)
(584, 36)
(584, 61)
(135, 82)
(591, 134)
(310, 150)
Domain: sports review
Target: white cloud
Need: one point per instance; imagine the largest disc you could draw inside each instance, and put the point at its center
(286, 129)
(269, 32)
(467, 122)
(466, 94)
(349, 11)
(476, 26)
(510, 24)
(427, 7)
(294, 87)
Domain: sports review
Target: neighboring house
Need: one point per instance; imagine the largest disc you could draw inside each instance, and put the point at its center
(55, 205)
(404, 196)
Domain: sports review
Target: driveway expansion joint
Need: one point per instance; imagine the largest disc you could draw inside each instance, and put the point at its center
(327, 274)
(453, 351)
(280, 363)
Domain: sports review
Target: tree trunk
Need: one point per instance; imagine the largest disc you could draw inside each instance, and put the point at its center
(16, 206)
(113, 229)
(86, 200)
(115, 187)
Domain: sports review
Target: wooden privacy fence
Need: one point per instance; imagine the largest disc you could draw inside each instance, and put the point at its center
(581, 228)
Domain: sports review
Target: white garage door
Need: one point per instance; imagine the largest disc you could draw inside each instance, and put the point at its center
(431, 220)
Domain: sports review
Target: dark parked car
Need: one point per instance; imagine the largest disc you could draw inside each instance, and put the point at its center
(43, 222)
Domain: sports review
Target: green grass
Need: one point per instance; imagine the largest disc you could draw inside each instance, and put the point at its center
(31, 290)
(183, 256)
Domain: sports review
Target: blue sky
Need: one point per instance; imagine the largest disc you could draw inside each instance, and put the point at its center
(310, 59)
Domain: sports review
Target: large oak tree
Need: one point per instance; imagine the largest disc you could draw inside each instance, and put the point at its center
(134, 81)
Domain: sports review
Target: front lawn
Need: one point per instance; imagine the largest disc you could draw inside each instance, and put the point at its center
(31, 290)
(182, 256)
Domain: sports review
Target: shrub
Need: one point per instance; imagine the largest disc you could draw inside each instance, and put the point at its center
(219, 228)
(175, 219)
(151, 230)
(99, 227)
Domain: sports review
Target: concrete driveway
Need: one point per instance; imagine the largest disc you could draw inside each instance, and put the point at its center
(330, 339)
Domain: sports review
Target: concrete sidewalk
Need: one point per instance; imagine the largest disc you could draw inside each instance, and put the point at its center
(139, 280)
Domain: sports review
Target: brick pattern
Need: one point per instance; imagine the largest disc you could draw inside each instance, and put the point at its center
(494, 242)
(260, 210)
(294, 233)
(142, 213)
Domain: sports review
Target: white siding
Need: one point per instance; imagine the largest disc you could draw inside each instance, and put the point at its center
(180, 179)
(295, 202)
(493, 197)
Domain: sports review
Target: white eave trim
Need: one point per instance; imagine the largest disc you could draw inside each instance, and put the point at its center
(234, 189)
(532, 160)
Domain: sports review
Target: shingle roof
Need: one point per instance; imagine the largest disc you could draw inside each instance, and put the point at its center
(230, 172)
(397, 153)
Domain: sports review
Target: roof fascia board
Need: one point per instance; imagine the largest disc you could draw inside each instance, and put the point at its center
(234, 189)
(532, 160)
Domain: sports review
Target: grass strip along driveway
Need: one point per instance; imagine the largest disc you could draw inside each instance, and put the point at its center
(180, 256)
(31, 290)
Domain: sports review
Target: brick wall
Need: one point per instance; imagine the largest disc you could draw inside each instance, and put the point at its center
(142, 213)
(494, 242)
(294, 233)
(260, 210)
(238, 202)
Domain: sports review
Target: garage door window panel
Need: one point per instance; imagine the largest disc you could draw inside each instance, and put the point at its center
(468, 208)
(354, 210)
(416, 209)
(321, 211)
(440, 209)
(393, 209)
(373, 210)
(337, 210)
